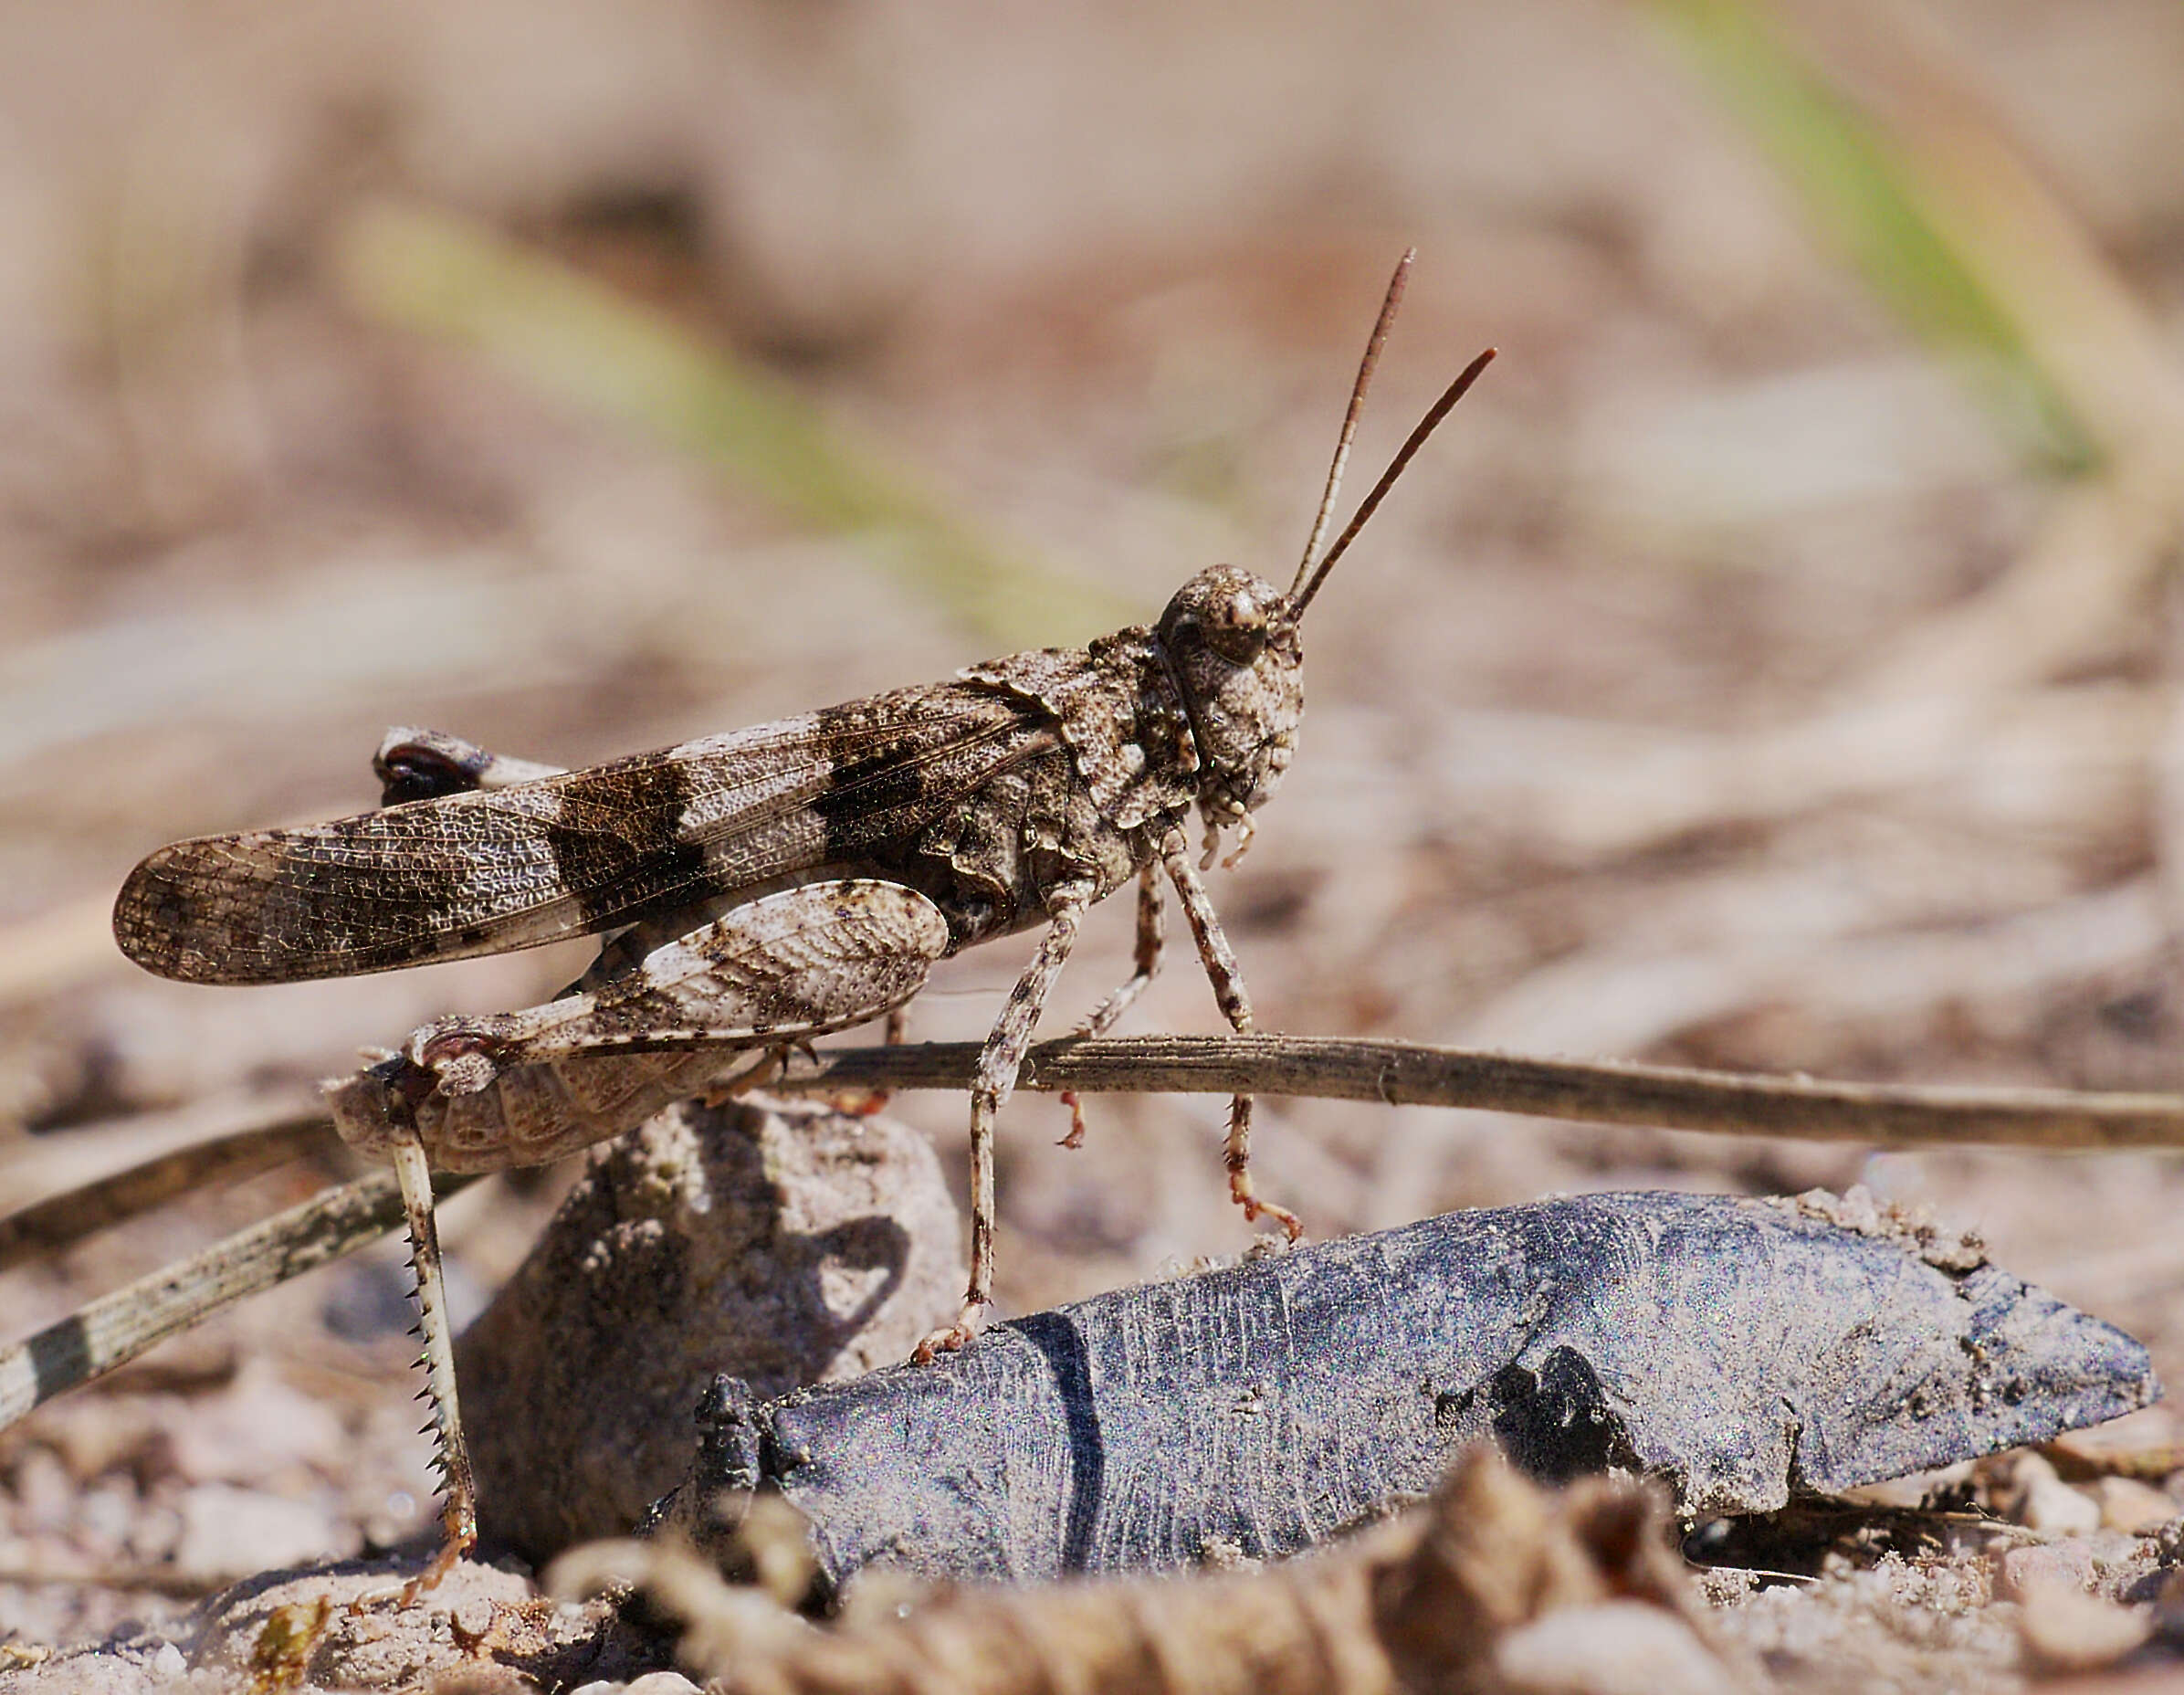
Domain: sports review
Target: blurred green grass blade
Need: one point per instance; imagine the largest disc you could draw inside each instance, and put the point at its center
(1858, 185)
(577, 339)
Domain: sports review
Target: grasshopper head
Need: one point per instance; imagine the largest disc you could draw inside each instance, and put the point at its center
(1231, 637)
(1235, 651)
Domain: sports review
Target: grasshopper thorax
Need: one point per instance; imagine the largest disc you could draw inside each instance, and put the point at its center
(1236, 657)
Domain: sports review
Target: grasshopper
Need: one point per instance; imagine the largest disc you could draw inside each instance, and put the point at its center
(772, 884)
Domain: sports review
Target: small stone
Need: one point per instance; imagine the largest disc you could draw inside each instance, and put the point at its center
(230, 1532)
(103, 1515)
(168, 1664)
(1914, 1489)
(599, 1686)
(44, 1494)
(2148, 1440)
(1618, 1647)
(261, 1426)
(2134, 1508)
(2052, 1566)
(2047, 1504)
(663, 1683)
(473, 1615)
(154, 1532)
(785, 1241)
(2064, 1630)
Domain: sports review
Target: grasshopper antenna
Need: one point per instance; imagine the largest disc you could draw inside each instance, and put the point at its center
(1315, 567)
(1349, 419)
(1426, 426)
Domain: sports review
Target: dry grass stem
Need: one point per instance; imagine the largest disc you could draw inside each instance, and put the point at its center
(51, 1225)
(1590, 1091)
(116, 1328)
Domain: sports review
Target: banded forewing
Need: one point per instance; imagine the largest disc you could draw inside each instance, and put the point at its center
(575, 853)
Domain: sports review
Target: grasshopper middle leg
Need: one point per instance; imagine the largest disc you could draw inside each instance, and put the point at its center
(1151, 938)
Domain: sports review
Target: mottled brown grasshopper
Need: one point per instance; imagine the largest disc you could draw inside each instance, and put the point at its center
(770, 884)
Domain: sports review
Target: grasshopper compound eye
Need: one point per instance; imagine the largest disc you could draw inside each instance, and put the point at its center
(1224, 610)
(1234, 627)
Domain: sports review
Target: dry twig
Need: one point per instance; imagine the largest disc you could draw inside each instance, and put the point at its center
(1592, 1091)
(51, 1225)
(117, 1327)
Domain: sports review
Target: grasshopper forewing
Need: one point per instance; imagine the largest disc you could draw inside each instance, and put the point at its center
(1013, 796)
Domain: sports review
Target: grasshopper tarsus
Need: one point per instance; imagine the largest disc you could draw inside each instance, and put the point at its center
(952, 1338)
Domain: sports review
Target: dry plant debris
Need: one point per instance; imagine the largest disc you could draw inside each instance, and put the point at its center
(1494, 1586)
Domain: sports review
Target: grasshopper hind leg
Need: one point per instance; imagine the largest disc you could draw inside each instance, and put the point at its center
(482, 1093)
(429, 764)
(458, 1489)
